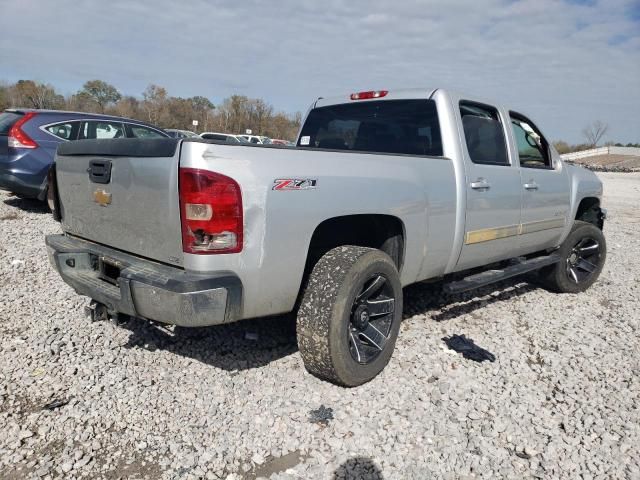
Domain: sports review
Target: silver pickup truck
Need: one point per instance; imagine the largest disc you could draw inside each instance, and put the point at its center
(384, 189)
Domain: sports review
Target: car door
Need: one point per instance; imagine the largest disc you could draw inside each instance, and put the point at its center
(494, 190)
(545, 188)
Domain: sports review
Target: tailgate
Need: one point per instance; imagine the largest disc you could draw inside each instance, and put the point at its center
(123, 193)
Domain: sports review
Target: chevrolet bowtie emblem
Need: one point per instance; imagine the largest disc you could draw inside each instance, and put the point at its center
(102, 197)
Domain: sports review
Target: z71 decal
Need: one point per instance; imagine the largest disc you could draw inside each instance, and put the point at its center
(294, 184)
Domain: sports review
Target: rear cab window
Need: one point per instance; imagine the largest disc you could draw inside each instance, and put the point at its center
(7, 119)
(484, 134)
(405, 127)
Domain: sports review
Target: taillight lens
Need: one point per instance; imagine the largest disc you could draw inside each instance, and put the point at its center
(211, 211)
(17, 138)
(369, 95)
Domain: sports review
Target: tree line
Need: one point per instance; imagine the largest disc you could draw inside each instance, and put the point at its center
(235, 114)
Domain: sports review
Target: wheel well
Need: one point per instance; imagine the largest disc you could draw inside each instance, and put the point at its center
(384, 232)
(589, 211)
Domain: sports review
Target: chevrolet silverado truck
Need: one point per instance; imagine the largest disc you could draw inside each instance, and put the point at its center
(384, 189)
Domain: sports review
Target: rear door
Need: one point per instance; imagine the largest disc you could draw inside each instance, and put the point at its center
(123, 194)
(545, 188)
(494, 191)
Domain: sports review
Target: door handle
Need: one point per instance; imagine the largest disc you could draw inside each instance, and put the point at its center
(531, 186)
(480, 184)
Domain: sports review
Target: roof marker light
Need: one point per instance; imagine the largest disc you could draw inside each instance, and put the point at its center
(369, 95)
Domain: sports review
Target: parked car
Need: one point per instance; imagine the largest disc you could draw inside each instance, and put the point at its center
(286, 143)
(29, 139)
(175, 133)
(222, 137)
(257, 139)
(385, 189)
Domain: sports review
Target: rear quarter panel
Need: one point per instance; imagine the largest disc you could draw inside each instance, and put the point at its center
(420, 191)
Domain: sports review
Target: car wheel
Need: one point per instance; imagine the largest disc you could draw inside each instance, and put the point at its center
(350, 314)
(582, 257)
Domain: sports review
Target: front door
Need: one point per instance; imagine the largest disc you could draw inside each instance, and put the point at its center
(545, 188)
(494, 189)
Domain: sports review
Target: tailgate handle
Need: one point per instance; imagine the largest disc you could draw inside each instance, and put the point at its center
(100, 171)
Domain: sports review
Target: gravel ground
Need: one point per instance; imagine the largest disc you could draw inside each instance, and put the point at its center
(506, 382)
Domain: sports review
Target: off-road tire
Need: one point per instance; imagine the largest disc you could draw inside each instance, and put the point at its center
(557, 278)
(323, 318)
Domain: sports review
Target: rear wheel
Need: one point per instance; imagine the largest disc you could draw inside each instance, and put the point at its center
(350, 314)
(582, 257)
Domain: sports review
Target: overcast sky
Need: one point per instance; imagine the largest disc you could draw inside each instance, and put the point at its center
(562, 62)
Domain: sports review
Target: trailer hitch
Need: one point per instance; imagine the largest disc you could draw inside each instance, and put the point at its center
(96, 311)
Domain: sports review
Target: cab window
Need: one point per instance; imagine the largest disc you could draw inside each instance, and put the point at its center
(484, 134)
(533, 149)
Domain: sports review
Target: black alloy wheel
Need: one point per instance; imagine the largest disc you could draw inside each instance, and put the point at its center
(371, 319)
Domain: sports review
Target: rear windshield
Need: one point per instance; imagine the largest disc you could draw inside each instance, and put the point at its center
(7, 119)
(407, 127)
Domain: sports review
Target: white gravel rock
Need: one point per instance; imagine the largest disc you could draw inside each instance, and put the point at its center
(234, 402)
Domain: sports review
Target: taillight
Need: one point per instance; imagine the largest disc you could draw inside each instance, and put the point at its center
(17, 137)
(369, 95)
(211, 212)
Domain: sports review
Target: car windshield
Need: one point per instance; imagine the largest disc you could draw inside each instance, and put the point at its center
(384, 126)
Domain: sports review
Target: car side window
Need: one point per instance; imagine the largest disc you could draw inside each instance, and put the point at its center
(484, 134)
(65, 131)
(214, 136)
(138, 131)
(93, 129)
(533, 149)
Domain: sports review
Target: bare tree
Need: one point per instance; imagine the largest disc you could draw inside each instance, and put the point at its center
(594, 132)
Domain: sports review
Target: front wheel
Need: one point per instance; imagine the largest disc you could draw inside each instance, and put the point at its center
(350, 314)
(582, 257)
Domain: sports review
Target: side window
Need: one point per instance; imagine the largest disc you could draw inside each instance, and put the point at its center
(93, 129)
(138, 131)
(65, 131)
(484, 134)
(533, 149)
(214, 136)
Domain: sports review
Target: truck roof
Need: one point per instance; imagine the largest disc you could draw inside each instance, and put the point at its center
(396, 94)
(399, 94)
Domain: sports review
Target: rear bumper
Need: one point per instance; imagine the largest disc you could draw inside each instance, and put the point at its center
(144, 288)
(25, 186)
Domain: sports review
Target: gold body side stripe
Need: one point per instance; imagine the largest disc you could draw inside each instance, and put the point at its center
(487, 234)
(541, 225)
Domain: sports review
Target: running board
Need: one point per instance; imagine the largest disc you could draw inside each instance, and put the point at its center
(491, 276)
